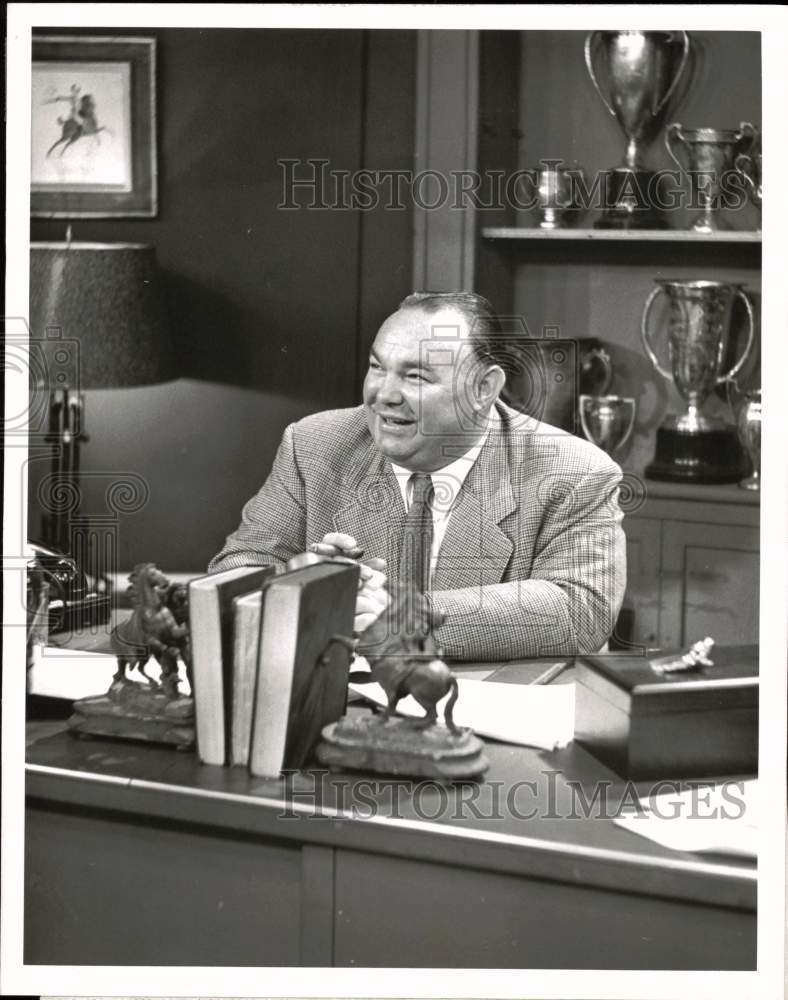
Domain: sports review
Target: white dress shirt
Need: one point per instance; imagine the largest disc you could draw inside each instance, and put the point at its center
(447, 483)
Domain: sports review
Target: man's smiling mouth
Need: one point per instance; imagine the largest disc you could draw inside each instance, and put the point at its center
(389, 421)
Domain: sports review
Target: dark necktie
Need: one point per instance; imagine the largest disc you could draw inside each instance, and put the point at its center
(417, 534)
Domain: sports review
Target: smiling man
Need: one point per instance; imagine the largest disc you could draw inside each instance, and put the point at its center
(510, 525)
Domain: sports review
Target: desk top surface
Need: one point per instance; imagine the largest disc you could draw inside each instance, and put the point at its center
(529, 816)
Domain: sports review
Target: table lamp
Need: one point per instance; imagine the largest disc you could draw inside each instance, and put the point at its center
(97, 320)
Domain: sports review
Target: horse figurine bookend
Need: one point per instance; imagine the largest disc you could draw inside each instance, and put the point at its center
(149, 710)
(405, 660)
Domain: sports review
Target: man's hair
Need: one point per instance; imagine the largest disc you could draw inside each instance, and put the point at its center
(483, 325)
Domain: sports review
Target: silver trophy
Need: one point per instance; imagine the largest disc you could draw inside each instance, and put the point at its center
(693, 447)
(607, 421)
(556, 193)
(746, 407)
(709, 153)
(636, 74)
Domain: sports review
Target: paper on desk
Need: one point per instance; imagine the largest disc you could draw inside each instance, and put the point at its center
(72, 674)
(719, 819)
(528, 715)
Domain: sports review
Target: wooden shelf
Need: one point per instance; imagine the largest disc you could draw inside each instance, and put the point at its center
(619, 235)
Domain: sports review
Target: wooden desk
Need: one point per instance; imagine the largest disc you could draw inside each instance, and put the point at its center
(142, 856)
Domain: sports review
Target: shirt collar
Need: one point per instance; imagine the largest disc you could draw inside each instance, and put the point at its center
(448, 481)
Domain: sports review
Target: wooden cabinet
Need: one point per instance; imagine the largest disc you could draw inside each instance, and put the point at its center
(693, 566)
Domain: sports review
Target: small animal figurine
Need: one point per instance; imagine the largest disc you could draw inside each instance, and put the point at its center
(404, 658)
(158, 627)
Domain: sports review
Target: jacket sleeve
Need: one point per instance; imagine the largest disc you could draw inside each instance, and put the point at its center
(273, 522)
(571, 598)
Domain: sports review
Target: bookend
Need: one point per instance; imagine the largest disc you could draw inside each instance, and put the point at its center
(151, 711)
(405, 660)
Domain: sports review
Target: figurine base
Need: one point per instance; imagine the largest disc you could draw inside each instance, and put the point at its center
(629, 201)
(134, 712)
(709, 456)
(403, 747)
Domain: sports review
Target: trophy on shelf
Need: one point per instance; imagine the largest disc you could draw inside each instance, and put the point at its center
(556, 193)
(709, 155)
(694, 448)
(746, 407)
(607, 421)
(640, 73)
(749, 166)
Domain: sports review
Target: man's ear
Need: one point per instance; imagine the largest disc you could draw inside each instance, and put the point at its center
(489, 386)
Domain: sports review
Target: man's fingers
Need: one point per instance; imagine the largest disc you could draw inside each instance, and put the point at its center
(377, 564)
(323, 549)
(340, 540)
(371, 602)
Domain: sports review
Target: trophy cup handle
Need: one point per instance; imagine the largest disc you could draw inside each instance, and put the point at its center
(674, 132)
(743, 163)
(731, 375)
(645, 335)
(679, 73)
(591, 45)
(746, 135)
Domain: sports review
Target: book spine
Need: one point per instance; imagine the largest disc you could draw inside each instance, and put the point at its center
(278, 645)
(205, 627)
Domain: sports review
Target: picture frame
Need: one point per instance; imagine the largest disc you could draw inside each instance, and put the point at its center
(93, 127)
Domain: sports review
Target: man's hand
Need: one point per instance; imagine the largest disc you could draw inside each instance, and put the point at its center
(372, 596)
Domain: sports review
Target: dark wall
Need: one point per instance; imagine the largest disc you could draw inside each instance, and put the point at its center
(271, 310)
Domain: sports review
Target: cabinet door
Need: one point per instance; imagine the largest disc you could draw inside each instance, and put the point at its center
(643, 577)
(709, 583)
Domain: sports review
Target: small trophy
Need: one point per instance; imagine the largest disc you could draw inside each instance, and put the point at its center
(746, 407)
(556, 193)
(693, 447)
(641, 70)
(607, 421)
(709, 154)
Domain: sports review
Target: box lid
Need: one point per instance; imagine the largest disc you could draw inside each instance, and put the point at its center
(632, 684)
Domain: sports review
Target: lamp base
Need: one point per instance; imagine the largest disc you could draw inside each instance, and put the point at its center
(708, 456)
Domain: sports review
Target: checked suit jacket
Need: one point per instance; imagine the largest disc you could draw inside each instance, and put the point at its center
(533, 561)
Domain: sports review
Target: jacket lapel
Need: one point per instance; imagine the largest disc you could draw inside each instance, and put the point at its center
(371, 509)
(475, 551)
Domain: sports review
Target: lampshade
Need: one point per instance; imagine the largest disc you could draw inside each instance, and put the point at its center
(107, 298)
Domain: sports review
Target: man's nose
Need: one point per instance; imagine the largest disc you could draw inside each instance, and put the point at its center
(390, 390)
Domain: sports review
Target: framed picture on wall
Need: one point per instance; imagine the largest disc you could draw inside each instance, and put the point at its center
(93, 135)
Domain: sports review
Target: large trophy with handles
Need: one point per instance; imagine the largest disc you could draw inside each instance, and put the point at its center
(693, 447)
(636, 74)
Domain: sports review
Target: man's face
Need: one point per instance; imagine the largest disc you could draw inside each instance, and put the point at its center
(417, 363)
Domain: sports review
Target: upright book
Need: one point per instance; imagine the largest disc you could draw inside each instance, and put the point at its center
(211, 626)
(302, 674)
(246, 645)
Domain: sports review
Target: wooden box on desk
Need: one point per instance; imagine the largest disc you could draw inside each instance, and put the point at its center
(648, 725)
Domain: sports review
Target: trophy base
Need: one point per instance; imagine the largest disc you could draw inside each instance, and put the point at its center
(709, 456)
(629, 200)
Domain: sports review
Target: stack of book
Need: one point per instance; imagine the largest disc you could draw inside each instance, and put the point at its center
(268, 670)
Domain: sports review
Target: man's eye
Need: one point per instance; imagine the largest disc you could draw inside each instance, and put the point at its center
(374, 366)
(416, 377)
